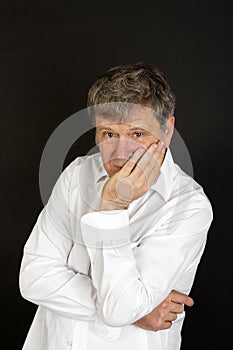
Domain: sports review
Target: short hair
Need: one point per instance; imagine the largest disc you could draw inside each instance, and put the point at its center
(114, 92)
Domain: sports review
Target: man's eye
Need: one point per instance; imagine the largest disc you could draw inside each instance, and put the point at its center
(138, 134)
(109, 134)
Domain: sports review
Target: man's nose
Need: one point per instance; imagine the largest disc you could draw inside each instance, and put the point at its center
(124, 148)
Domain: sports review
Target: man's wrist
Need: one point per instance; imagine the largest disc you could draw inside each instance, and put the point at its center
(105, 229)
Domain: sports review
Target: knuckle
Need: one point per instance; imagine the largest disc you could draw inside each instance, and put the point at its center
(161, 316)
(165, 304)
(172, 294)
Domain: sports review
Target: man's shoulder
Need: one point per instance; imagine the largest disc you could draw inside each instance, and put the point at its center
(87, 160)
(186, 187)
(84, 167)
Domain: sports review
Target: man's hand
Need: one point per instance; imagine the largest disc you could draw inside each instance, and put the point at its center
(166, 312)
(134, 179)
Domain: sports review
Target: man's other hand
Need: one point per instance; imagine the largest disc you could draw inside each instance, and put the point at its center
(165, 313)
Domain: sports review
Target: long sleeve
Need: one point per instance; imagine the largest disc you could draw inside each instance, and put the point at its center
(44, 277)
(131, 281)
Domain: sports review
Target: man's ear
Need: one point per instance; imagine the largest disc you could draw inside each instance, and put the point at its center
(96, 141)
(169, 129)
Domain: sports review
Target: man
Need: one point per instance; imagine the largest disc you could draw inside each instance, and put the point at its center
(113, 255)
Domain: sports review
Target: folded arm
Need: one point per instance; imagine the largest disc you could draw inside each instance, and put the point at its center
(131, 282)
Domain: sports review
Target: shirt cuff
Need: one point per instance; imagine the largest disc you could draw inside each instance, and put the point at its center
(106, 229)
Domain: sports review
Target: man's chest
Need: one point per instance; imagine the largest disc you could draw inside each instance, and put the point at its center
(144, 215)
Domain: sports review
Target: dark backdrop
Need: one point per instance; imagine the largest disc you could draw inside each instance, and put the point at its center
(50, 53)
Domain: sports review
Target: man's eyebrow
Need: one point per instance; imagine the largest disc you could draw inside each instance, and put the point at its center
(100, 128)
(139, 128)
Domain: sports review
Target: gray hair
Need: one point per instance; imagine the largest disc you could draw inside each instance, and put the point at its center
(113, 93)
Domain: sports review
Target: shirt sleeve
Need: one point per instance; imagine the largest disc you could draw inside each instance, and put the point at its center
(44, 277)
(132, 281)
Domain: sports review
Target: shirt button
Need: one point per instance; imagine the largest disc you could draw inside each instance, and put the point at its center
(69, 343)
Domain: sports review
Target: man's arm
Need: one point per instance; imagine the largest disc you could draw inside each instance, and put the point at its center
(44, 276)
(131, 282)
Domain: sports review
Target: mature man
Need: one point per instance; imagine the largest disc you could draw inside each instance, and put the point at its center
(113, 255)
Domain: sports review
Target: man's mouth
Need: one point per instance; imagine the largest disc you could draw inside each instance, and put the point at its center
(117, 166)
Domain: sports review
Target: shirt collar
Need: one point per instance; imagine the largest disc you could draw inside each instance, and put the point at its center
(164, 183)
(101, 173)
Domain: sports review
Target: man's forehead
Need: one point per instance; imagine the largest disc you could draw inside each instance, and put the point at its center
(134, 116)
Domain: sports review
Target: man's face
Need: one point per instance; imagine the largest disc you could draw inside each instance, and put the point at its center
(119, 140)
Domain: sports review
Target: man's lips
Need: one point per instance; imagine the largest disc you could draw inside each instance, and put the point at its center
(118, 165)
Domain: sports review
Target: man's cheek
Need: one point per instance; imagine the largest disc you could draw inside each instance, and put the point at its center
(106, 152)
(145, 144)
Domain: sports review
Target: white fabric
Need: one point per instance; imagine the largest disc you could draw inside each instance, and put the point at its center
(94, 273)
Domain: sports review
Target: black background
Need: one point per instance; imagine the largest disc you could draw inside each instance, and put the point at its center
(50, 54)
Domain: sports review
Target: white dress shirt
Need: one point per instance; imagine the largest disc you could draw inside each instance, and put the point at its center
(93, 273)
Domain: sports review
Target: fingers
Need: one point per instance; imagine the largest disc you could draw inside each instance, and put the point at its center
(149, 161)
(141, 170)
(189, 301)
(171, 317)
(177, 297)
(144, 160)
(175, 307)
(131, 162)
(167, 324)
